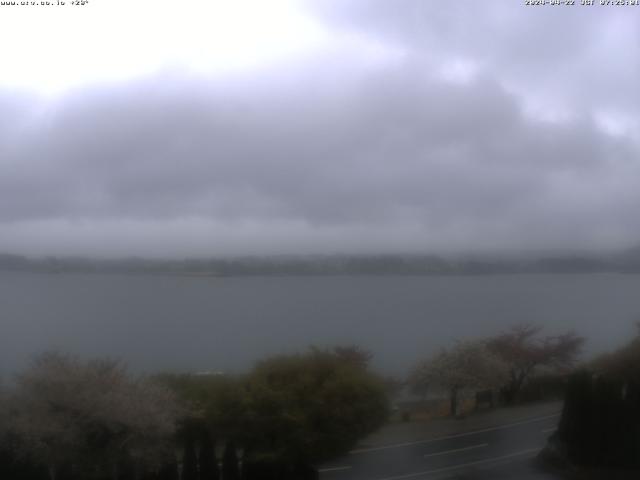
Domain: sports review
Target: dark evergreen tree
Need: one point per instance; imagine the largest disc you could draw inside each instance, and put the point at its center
(190, 460)
(208, 461)
(169, 471)
(126, 468)
(230, 470)
(264, 470)
(574, 428)
(304, 471)
(20, 468)
(600, 421)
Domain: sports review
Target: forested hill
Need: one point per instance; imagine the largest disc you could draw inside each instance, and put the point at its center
(627, 262)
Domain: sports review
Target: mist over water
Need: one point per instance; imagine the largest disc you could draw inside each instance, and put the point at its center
(225, 324)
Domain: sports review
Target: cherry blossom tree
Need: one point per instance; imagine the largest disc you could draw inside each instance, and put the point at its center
(465, 366)
(91, 415)
(524, 350)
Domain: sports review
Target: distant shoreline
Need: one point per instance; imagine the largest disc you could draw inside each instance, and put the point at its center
(324, 266)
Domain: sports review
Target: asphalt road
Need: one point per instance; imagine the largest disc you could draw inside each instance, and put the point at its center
(500, 452)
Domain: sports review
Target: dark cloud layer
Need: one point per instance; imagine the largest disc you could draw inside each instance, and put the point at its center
(491, 128)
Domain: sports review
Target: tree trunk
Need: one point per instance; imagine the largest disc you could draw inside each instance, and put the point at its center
(454, 401)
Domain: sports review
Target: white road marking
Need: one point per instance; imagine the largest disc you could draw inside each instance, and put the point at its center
(334, 469)
(462, 465)
(547, 430)
(456, 450)
(458, 435)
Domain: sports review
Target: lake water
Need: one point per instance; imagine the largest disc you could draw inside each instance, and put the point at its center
(189, 323)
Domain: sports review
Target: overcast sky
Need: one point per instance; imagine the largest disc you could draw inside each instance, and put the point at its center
(191, 128)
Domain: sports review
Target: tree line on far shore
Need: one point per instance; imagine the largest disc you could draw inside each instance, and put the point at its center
(295, 265)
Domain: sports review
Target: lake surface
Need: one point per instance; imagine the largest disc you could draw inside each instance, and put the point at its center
(189, 323)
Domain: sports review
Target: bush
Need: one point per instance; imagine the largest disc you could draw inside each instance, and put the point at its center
(308, 408)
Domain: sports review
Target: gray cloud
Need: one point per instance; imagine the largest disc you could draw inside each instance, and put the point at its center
(332, 154)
